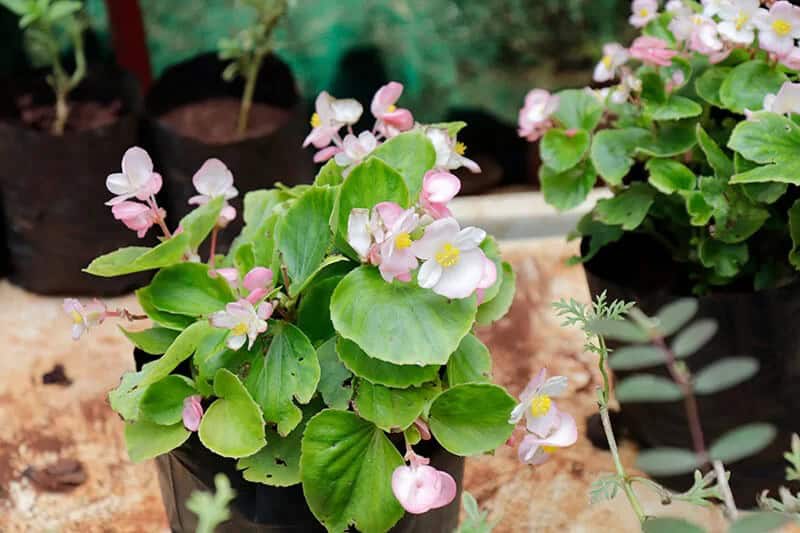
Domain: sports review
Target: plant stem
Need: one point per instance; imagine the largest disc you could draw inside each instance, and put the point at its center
(63, 84)
(725, 489)
(212, 254)
(247, 97)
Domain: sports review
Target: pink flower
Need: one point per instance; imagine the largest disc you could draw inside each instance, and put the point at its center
(778, 28)
(738, 20)
(787, 100)
(136, 216)
(705, 39)
(137, 178)
(534, 117)
(449, 152)
(326, 153)
(214, 179)
(652, 51)
(488, 279)
(192, 412)
(420, 488)
(231, 275)
(792, 59)
(244, 321)
(438, 188)
(360, 228)
(391, 120)
(453, 263)
(396, 260)
(84, 318)
(614, 56)
(258, 278)
(536, 449)
(643, 11)
(536, 404)
(355, 149)
(331, 114)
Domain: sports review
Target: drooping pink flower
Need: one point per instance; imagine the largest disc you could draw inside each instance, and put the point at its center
(391, 120)
(453, 262)
(534, 117)
(536, 449)
(244, 321)
(355, 149)
(396, 260)
(231, 275)
(136, 216)
(614, 56)
(449, 151)
(652, 51)
(438, 188)
(642, 12)
(214, 179)
(192, 412)
(137, 178)
(778, 28)
(326, 153)
(84, 318)
(258, 278)
(331, 114)
(420, 488)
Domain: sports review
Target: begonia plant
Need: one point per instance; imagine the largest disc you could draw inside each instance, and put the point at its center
(336, 330)
(694, 132)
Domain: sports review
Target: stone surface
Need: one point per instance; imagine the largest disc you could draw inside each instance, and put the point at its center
(44, 423)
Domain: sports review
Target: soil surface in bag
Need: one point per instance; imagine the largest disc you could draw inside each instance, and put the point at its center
(192, 117)
(258, 507)
(763, 325)
(53, 187)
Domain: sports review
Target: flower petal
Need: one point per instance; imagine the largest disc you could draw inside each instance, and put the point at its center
(429, 274)
(461, 279)
(437, 234)
(358, 234)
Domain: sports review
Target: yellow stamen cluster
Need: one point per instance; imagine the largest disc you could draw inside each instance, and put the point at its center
(402, 241)
(606, 61)
(391, 109)
(741, 20)
(315, 120)
(461, 148)
(781, 27)
(239, 329)
(448, 255)
(644, 12)
(540, 405)
(76, 317)
(549, 449)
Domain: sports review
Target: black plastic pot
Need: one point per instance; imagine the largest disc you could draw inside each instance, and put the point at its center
(259, 507)
(256, 162)
(764, 325)
(53, 188)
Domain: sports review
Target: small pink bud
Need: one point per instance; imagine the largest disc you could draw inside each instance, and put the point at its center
(420, 488)
(192, 412)
(258, 278)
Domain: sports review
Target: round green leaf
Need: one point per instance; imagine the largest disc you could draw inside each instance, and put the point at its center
(470, 363)
(742, 442)
(390, 408)
(161, 318)
(201, 220)
(334, 381)
(724, 374)
(577, 109)
(694, 337)
(145, 439)
(647, 388)
(411, 154)
(666, 461)
(154, 341)
(565, 190)
(314, 311)
(187, 289)
(612, 152)
(140, 258)
(671, 139)
(627, 208)
(760, 522)
(381, 372)
(675, 315)
(561, 151)
(708, 84)
(472, 418)
(233, 425)
(162, 402)
(397, 322)
(497, 307)
(346, 466)
(670, 525)
(748, 83)
(668, 176)
(675, 108)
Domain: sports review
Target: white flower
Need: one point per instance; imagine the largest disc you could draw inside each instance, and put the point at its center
(453, 263)
(84, 318)
(536, 449)
(786, 101)
(244, 322)
(355, 149)
(211, 180)
(738, 21)
(778, 27)
(331, 114)
(449, 152)
(136, 179)
(675, 6)
(536, 403)
(713, 7)
(643, 11)
(614, 56)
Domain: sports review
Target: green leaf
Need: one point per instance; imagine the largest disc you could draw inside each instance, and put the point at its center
(667, 461)
(471, 418)
(452, 127)
(794, 232)
(621, 330)
(742, 442)
(161, 318)
(181, 349)
(470, 363)
(188, 289)
(724, 373)
(154, 341)
(669, 176)
(162, 402)
(125, 398)
(691, 339)
(380, 372)
(146, 440)
(335, 379)
(261, 210)
(497, 307)
(331, 265)
(329, 174)
(390, 408)
(697, 208)
(674, 108)
(771, 140)
(211, 510)
(244, 259)
(233, 425)
(397, 322)
(314, 311)
(670, 525)
(647, 388)
(597, 234)
(717, 158)
(577, 109)
(636, 356)
(673, 316)
(612, 152)
(304, 235)
(673, 138)
(628, 208)
(492, 251)
(290, 369)
(140, 258)
(560, 151)
(759, 522)
(765, 193)
(747, 84)
(726, 259)
(278, 463)
(568, 189)
(653, 91)
(736, 217)
(411, 154)
(370, 183)
(199, 223)
(709, 83)
(346, 466)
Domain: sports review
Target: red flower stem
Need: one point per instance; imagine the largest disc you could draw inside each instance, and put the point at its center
(212, 254)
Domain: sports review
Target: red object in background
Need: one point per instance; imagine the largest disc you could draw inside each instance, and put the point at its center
(128, 37)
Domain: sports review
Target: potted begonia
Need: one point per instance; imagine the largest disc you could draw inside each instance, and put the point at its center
(695, 135)
(326, 364)
(239, 104)
(59, 127)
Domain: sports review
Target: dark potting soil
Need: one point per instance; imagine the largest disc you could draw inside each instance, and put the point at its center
(213, 121)
(83, 115)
